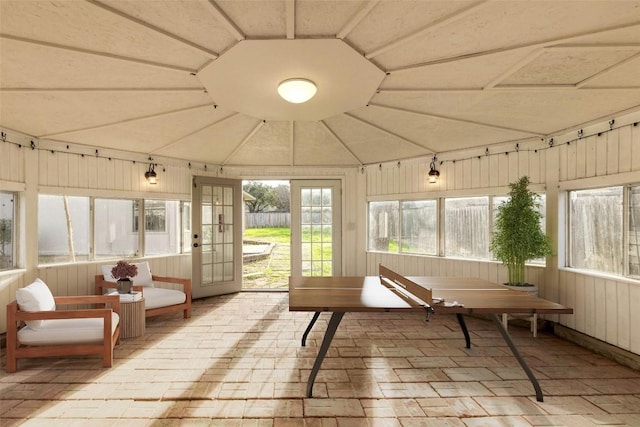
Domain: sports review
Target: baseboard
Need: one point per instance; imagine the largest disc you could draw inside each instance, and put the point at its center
(621, 356)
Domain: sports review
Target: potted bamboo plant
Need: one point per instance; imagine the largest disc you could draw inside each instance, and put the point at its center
(517, 237)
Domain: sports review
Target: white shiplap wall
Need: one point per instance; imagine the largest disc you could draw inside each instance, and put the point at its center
(605, 308)
(55, 168)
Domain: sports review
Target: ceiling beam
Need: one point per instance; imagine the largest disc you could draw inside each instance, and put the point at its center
(453, 119)
(197, 48)
(595, 46)
(515, 67)
(100, 89)
(222, 17)
(97, 53)
(331, 132)
(388, 132)
(290, 18)
(452, 17)
(210, 125)
(244, 141)
(356, 19)
(608, 69)
(120, 122)
(548, 43)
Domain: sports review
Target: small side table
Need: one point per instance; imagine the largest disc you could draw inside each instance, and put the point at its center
(132, 320)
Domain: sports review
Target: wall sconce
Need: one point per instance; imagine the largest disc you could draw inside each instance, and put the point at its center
(433, 172)
(151, 175)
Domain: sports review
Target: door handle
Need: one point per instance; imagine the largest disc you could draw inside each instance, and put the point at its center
(195, 245)
(220, 223)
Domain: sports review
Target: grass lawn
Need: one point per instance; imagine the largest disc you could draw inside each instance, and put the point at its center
(274, 271)
(276, 235)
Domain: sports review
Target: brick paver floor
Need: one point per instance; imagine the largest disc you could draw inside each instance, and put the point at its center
(238, 362)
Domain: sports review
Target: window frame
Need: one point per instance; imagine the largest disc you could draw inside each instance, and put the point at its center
(15, 223)
(141, 239)
(400, 223)
(625, 206)
(441, 226)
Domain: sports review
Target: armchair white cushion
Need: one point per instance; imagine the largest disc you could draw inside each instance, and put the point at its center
(159, 297)
(67, 331)
(35, 297)
(157, 300)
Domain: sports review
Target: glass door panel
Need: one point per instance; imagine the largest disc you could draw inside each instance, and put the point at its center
(216, 248)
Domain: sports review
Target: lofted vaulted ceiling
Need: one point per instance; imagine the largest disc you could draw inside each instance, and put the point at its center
(196, 79)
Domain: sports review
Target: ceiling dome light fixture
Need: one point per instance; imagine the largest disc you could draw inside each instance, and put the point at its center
(297, 90)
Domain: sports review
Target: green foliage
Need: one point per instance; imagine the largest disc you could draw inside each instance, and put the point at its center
(6, 233)
(283, 198)
(265, 196)
(517, 237)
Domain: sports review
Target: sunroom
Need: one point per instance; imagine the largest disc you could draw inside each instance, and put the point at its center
(129, 127)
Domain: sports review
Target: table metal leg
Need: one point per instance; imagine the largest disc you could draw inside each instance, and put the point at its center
(465, 331)
(306, 332)
(336, 317)
(519, 358)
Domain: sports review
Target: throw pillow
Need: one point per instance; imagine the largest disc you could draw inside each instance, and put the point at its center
(35, 297)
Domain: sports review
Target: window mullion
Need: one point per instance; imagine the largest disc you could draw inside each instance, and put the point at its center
(625, 229)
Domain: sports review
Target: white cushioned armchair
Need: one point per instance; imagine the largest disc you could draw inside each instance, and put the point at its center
(36, 327)
(157, 300)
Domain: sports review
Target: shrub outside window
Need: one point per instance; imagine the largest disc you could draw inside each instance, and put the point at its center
(7, 230)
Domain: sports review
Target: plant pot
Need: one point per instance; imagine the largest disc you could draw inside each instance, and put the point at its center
(124, 286)
(528, 289)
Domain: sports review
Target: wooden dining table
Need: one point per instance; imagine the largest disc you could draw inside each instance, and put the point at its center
(393, 292)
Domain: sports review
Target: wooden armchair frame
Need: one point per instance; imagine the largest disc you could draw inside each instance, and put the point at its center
(185, 307)
(105, 305)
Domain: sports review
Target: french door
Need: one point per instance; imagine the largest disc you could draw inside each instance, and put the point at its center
(316, 228)
(216, 236)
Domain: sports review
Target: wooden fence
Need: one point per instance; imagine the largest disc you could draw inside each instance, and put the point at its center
(267, 219)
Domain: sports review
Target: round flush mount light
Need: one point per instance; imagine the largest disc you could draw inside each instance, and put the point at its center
(297, 90)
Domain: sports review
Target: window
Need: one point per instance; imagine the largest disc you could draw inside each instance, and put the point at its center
(7, 230)
(63, 229)
(419, 227)
(64, 224)
(161, 227)
(466, 233)
(155, 215)
(186, 227)
(383, 226)
(409, 226)
(114, 235)
(596, 229)
(634, 231)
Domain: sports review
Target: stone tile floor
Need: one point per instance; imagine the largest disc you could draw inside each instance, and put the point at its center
(238, 362)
